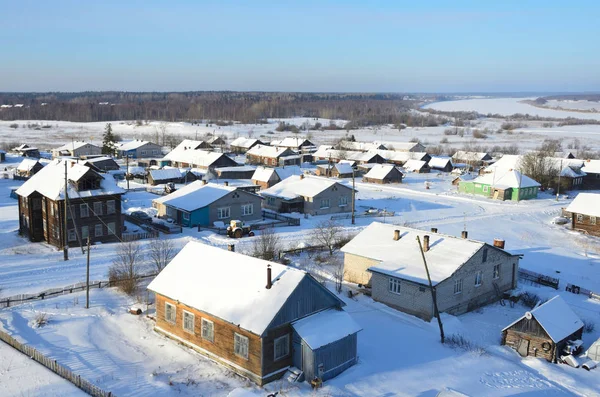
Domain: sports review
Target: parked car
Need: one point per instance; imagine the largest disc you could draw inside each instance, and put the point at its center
(141, 216)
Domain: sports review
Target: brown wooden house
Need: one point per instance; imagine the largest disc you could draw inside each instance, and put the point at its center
(272, 156)
(544, 331)
(94, 206)
(252, 316)
(383, 173)
(27, 168)
(585, 213)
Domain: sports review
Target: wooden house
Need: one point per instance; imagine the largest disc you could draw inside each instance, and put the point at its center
(440, 163)
(400, 158)
(167, 175)
(405, 146)
(418, 166)
(242, 145)
(308, 194)
(27, 168)
(585, 213)
(202, 204)
(472, 159)
(25, 150)
(94, 206)
(265, 177)
(241, 172)
(102, 164)
(272, 156)
(217, 141)
(76, 149)
(361, 146)
(544, 331)
(592, 178)
(337, 170)
(329, 155)
(255, 317)
(511, 185)
(138, 149)
(465, 273)
(186, 155)
(383, 173)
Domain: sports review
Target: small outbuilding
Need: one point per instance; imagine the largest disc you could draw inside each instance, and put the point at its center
(383, 173)
(418, 166)
(544, 331)
(443, 164)
(593, 353)
(27, 168)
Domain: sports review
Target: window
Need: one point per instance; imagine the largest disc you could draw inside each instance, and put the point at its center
(458, 284)
(111, 228)
(98, 230)
(579, 218)
(185, 216)
(478, 278)
(282, 347)
(188, 322)
(484, 259)
(325, 203)
(83, 211)
(343, 201)
(485, 189)
(271, 200)
(98, 208)
(84, 232)
(592, 220)
(223, 212)
(170, 312)
(394, 286)
(496, 271)
(247, 209)
(71, 235)
(110, 207)
(240, 345)
(143, 152)
(208, 330)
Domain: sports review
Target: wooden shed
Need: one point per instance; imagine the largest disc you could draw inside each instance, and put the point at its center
(544, 331)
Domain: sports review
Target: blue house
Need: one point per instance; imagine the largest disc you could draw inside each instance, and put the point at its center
(138, 149)
(202, 204)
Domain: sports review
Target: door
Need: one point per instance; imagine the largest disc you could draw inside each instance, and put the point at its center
(523, 347)
(496, 193)
(297, 354)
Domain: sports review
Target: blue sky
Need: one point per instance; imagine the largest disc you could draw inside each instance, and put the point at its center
(374, 46)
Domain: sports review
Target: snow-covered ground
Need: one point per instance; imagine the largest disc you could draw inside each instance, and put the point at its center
(588, 106)
(507, 107)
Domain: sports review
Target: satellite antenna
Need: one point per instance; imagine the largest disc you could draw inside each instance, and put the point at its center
(528, 315)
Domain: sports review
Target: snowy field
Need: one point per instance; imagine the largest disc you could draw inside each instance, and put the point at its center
(399, 355)
(507, 107)
(588, 106)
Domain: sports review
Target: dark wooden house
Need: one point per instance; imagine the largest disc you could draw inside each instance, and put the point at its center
(383, 173)
(255, 317)
(272, 156)
(102, 164)
(544, 331)
(585, 213)
(592, 178)
(27, 168)
(94, 206)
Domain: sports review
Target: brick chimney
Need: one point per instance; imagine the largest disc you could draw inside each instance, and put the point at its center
(434, 230)
(499, 243)
(425, 243)
(396, 235)
(269, 279)
(464, 234)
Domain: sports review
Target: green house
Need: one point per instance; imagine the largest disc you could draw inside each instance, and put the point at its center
(510, 185)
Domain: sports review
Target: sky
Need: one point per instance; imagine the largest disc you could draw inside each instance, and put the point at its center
(308, 45)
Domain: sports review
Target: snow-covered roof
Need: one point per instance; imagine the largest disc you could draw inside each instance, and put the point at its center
(325, 327)
(511, 179)
(556, 317)
(72, 146)
(379, 171)
(165, 173)
(439, 161)
(264, 174)
(591, 167)
(344, 167)
(362, 146)
(414, 165)
(50, 182)
(195, 195)
(572, 172)
(244, 142)
(402, 258)
(132, 145)
(586, 203)
(470, 156)
(291, 142)
(27, 164)
(185, 154)
(227, 285)
(299, 186)
(240, 168)
(266, 151)
(399, 156)
(401, 146)
(99, 159)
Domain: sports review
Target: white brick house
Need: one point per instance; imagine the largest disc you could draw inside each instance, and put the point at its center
(465, 273)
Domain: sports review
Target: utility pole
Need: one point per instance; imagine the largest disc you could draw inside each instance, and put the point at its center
(559, 173)
(436, 313)
(353, 195)
(127, 173)
(87, 276)
(65, 231)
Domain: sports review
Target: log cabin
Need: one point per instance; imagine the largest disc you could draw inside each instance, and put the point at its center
(585, 213)
(255, 317)
(272, 156)
(383, 173)
(544, 331)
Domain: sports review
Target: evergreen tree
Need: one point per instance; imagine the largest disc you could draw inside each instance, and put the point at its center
(108, 140)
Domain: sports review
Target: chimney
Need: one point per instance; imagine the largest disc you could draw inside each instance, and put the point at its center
(425, 243)
(204, 181)
(499, 243)
(396, 235)
(269, 281)
(231, 247)
(434, 230)
(226, 183)
(464, 234)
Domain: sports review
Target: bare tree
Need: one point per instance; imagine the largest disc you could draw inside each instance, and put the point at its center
(327, 233)
(266, 245)
(162, 127)
(125, 269)
(337, 265)
(161, 253)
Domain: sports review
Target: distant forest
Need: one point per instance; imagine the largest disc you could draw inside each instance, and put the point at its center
(245, 107)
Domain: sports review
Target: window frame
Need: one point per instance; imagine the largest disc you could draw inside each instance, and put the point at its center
(285, 337)
(394, 286)
(484, 255)
(458, 286)
(325, 200)
(496, 272)
(579, 218)
(111, 228)
(245, 206)
(237, 345)
(212, 330)
(98, 208)
(174, 312)
(343, 201)
(478, 278)
(97, 227)
(84, 209)
(85, 232)
(187, 314)
(111, 207)
(593, 220)
(71, 235)
(220, 212)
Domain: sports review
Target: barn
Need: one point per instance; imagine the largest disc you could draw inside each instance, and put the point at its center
(544, 331)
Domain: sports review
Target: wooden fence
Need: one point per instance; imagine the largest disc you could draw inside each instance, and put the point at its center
(139, 235)
(55, 367)
(54, 292)
(538, 278)
(291, 221)
(378, 214)
(576, 289)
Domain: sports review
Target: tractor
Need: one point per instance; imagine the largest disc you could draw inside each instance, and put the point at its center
(237, 229)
